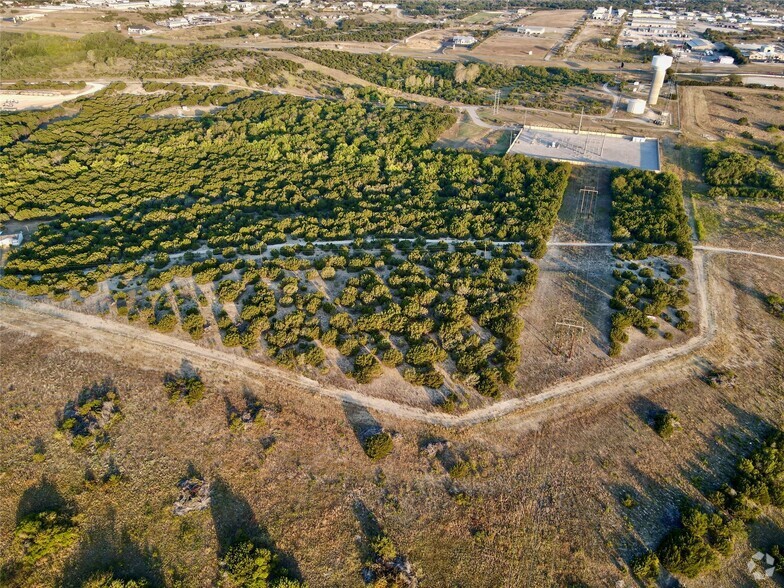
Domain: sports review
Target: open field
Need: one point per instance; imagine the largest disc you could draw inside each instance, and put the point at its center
(466, 135)
(302, 481)
(507, 47)
(713, 113)
(26, 99)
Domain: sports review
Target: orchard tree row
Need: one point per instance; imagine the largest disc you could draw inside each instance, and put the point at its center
(429, 312)
(117, 185)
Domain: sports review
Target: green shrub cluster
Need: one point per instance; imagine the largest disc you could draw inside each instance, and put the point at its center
(646, 567)
(189, 388)
(757, 482)
(665, 423)
(697, 546)
(88, 419)
(636, 300)
(44, 534)
(536, 87)
(247, 565)
(740, 175)
(775, 303)
(378, 445)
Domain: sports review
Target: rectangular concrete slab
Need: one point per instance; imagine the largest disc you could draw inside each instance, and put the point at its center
(585, 148)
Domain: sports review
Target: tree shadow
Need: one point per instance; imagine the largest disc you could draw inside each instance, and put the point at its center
(43, 497)
(370, 528)
(235, 521)
(646, 409)
(361, 421)
(109, 549)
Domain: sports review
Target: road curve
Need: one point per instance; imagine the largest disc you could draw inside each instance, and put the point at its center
(75, 321)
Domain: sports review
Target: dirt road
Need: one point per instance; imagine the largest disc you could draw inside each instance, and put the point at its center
(28, 316)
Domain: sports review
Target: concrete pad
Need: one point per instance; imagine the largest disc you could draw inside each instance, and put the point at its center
(607, 150)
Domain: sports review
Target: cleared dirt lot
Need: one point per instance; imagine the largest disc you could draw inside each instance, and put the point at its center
(513, 46)
(22, 100)
(558, 19)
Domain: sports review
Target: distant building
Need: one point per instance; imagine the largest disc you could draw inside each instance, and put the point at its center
(11, 240)
(139, 30)
(726, 60)
(700, 45)
(531, 31)
(463, 40)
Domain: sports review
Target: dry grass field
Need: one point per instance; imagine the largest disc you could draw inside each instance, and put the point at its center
(543, 508)
(558, 19)
(509, 47)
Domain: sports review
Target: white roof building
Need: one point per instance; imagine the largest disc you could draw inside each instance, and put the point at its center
(463, 40)
(13, 240)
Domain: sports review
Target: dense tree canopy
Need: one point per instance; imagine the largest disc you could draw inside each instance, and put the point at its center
(648, 207)
(472, 84)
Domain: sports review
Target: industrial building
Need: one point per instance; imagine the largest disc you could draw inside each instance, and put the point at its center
(531, 31)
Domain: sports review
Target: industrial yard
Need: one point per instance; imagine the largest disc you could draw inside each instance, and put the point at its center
(585, 148)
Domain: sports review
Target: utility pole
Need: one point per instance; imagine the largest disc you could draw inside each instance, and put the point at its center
(580, 127)
(496, 101)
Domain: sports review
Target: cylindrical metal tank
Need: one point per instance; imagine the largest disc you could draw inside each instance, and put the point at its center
(636, 106)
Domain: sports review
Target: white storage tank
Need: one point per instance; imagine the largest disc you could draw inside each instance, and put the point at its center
(636, 106)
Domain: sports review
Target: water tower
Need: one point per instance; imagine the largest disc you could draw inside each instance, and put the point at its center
(660, 63)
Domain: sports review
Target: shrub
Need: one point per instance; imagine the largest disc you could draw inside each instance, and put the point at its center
(383, 547)
(646, 567)
(187, 388)
(664, 424)
(247, 565)
(392, 357)
(378, 446)
(366, 368)
(108, 580)
(44, 534)
(461, 469)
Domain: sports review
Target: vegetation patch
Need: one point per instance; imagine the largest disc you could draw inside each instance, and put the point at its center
(188, 388)
(43, 535)
(740, 175)
(247, 565)
(88, 419)
(476, 83)
(648, 207)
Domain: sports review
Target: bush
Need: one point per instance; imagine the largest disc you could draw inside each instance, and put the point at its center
(378, 446)
(461, 469)
(44, 534)
(108, 580)
(187, 388)
(366, 368)
(646, 567)
(392, 357)
(664, 424)
(247, 565)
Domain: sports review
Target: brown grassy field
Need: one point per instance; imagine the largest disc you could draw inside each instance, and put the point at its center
(542, 509)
